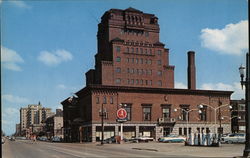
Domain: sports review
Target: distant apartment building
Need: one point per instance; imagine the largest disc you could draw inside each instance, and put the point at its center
(238, 121)
(54, 125)
(17, 133)
(31, 118)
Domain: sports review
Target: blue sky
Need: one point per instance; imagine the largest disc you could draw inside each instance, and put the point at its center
(47, 46)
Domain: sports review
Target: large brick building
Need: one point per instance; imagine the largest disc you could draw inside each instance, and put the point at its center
(132, 67)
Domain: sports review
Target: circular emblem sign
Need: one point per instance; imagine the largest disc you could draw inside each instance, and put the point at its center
(121, 113)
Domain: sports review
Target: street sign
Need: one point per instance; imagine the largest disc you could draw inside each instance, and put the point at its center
(121, 115)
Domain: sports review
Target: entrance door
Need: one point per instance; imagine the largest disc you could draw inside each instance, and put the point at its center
(166, 131)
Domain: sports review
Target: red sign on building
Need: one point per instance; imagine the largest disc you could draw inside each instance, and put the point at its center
(121, 114)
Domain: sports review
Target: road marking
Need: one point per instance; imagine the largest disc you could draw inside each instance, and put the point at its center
(76, 153)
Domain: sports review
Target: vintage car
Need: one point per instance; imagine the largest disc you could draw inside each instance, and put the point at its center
(234, 138)
(172, 139)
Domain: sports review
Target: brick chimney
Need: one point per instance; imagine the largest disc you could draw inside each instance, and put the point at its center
(191, 70)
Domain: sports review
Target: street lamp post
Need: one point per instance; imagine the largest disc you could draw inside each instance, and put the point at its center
(215, 112)
(102, 114)
(247, 103)
(187, 117)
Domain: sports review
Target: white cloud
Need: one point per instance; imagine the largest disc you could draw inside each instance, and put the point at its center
(20, 4)
(55, 57)
(180, 85)
(233, 39)
(61, 86)
(11, 111)
(236, 87)
(10, 59)
(14, 99)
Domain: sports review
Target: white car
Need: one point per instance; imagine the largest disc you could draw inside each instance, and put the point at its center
(234, 138)
(172, 139)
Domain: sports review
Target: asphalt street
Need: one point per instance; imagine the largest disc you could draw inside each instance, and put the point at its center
(28, 149)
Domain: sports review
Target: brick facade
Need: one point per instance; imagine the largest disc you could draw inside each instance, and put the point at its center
(132, 67)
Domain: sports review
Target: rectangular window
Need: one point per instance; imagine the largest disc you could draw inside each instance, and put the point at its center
(111, 100)
(132, 50)
(146, 61)
(159, 73)
(137, 81)
(146, 82)
(132, 60)
(104, 100)
(150, 82)
(97, 100)
(118, 59)
(203, 113)
(180, 131)
(166, 112)
(141, 61)
(128, 81)
(127, 60)
(128, 109)
(136, 60)
(128, 71)
(141, 82)
(127, 50)
(118, 81)
(146, 51)
(132, 81)
(149, 61)
(150, 51)
(159, 83)
(137, 50)
(159, 62)
(118, 49)
(132, 70)
(159, 52)
(141, 50)
(185, 113)
(146, 113)
(118, 70)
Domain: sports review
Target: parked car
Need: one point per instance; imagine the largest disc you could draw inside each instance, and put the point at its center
(110, 140)
(172, 139)
(234, 138)
(3, 141)
(12, 138)
(42, 138)
(56, 139)
(142, 139)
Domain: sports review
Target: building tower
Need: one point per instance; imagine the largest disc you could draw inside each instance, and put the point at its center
(130, 52)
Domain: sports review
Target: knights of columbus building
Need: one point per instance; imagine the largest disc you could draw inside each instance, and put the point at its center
(132, 70)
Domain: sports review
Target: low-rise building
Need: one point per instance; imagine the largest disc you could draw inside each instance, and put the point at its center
(238, 116)
(54, 125)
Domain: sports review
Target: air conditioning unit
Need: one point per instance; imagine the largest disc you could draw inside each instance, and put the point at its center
(172, 120)
(161, 120)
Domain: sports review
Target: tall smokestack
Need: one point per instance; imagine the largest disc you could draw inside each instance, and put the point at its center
(191, 70)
